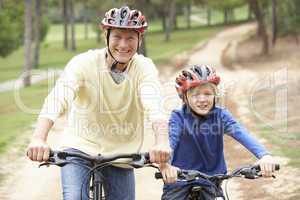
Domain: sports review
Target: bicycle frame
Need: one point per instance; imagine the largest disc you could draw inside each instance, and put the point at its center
(96, 188)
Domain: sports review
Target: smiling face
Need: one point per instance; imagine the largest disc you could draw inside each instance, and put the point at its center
(123, 44)
(201, 98)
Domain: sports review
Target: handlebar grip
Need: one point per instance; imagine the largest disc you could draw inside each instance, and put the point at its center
(158, 175)
(147, 156)
(277, 167)
(51, 153)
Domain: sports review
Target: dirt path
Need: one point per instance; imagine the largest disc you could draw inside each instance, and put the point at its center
(43, 184)
(36, 76)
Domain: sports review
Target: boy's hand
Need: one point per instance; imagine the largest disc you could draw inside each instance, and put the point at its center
(160, 154)
(169, 172)
(267, 165)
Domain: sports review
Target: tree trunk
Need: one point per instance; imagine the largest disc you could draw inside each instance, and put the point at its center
(85, 21)
(164, 21)
(46, 6)
(249, 11)
(37, 33)
(225, 16)
(66, 22)
(188, 14)
(169, 24)
(27, 42)
(261, 26)
(140, 4)
(142, 49)
(175, 25)
(72, 20)
(274, 22)
(208, 16)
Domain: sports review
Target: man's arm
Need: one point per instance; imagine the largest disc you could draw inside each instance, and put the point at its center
(161, 151)
(38, 149)
(58, 100)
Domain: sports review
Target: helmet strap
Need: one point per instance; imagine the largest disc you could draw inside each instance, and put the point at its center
(115, 63)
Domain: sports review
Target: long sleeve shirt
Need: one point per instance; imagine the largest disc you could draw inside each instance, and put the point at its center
(197, 142)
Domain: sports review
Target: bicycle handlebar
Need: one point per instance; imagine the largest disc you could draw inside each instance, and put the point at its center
(249, 172)
(59, 158)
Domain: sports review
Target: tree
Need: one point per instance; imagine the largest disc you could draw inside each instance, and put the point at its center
(72, 24)
(274, 21)
(227, 6)
(37, 32)
(188, 13)
(27, 42)
(85, 20)
(170, 21)
(65, 23)
(257, 9)
(11, 23)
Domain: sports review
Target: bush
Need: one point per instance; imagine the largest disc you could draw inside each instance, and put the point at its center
(11, 23)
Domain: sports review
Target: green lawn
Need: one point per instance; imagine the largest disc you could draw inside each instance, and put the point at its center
(18, 110)
(283, 145)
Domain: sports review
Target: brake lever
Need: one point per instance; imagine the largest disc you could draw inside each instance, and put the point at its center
(189, 175)
(139, 161)
(58, 159)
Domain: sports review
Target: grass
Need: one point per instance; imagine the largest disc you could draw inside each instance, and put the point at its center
(13, 117)
(282, 145)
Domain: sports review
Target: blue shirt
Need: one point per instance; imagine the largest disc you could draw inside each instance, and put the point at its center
(197, 142)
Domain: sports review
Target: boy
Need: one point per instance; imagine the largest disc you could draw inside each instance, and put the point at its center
(196, 133)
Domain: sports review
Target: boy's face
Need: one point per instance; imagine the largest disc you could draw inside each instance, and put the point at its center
(123, 44)
(201, 99)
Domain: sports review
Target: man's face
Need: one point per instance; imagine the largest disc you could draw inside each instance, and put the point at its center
(201, 99)
(123, 44)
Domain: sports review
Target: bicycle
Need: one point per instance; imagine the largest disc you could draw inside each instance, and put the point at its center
(137, 160)
(248, 172)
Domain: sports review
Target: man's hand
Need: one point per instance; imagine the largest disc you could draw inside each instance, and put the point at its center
(38, 150)
(169, 172)
(160, 153)
(267, 165)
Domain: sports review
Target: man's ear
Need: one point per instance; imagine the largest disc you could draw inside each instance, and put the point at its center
(105, 36)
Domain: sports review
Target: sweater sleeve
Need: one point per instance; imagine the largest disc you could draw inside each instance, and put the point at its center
(240, 133)
(65, 90)
(150, 91)
(175, 129)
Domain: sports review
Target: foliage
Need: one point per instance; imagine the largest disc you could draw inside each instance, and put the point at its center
(288, 15)
(11, 23)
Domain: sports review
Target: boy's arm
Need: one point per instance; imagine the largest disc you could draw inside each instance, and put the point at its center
(240, 133)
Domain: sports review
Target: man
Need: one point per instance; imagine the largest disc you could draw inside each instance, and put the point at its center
(105, 94)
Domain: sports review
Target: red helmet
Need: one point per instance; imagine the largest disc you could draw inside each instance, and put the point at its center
(124, 18)
(195, 76)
